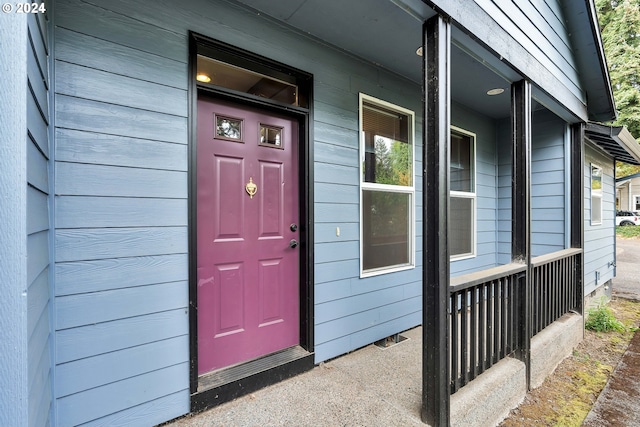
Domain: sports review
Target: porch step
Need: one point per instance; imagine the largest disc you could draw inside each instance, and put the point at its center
(234, 381)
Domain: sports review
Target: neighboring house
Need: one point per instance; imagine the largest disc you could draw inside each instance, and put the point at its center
(628, 193)
(219, 194)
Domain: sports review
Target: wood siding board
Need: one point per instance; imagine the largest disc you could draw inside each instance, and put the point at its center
(38, 340)
(93, 116)
(37, 82)
(325, 113)
(357, 322)
(101, 149)
(37, 43)
(40, 399)
(89, 83)
(335, 193)
(336, 174)
(95, 307)
(331, 291)
(521, 30)
(81, 408)
(40, 372)
(95, 212)
(337, 251)
(84, 374)
(98, 180)
(105, 55)
(93, 244)
(334, 135)
(557, 48)
(38, 250)
(100, 23)
(37, 300)
(37, 167)
(364, 302)
(37, 125)
(335, 154)
(106, 274)
(329, 212)
(87, 341)
(37, 211)
(361, 287)
(149, 413)
(343, 269)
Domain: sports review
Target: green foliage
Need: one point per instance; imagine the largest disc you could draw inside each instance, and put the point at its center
(602, 319)
(628, 232)
(620, 27)
(625, 169)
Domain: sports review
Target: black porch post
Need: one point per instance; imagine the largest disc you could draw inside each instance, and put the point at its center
(521, 210)
(577, 207)
(435, 276)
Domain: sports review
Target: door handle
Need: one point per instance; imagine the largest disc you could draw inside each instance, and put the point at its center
(293, 243)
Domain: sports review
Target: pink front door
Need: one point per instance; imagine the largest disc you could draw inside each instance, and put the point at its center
(248, 259)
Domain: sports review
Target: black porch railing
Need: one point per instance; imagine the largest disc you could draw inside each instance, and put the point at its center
(485, 310)
(483, 320)
(555, 287)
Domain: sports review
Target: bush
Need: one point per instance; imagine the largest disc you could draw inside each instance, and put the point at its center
(602, 319)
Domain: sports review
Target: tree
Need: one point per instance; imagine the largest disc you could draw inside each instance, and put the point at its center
(620, 27)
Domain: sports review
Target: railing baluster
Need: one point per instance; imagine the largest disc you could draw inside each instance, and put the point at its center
(473, 335)
(484, 312)
(454, 341)
(464, 362)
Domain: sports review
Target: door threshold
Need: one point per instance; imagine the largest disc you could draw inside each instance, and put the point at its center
(226, 384)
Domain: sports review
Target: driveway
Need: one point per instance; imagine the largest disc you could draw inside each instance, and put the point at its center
(626, 284)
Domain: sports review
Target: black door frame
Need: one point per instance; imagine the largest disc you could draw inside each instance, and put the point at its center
(199, 44)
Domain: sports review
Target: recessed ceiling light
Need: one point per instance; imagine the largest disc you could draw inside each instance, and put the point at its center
(496, 91)
(419, 51)
(201, 77)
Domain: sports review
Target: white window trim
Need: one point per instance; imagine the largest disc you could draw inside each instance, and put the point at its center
(636, 201)
(386, 187)
(469, 195)
(591, 195)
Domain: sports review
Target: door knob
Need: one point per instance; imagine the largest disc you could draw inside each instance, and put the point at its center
(293, 243)
(293, 227)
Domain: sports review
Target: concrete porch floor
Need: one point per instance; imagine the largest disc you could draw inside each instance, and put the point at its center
(368, 387)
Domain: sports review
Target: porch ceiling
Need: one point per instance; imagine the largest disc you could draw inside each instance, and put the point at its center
(387, 33)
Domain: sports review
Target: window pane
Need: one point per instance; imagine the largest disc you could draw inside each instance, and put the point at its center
(386, 228)
(388, 156)
(596, 195)
(460, 226)
(461, 162)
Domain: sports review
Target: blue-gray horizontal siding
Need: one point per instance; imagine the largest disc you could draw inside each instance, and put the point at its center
(38, 258)
(599, 240)
(121, 231)
(121, 220)
(548, 179)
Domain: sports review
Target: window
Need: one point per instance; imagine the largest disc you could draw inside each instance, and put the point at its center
(386, 187)
(596, 195)
(462, 194)
(636, 203)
